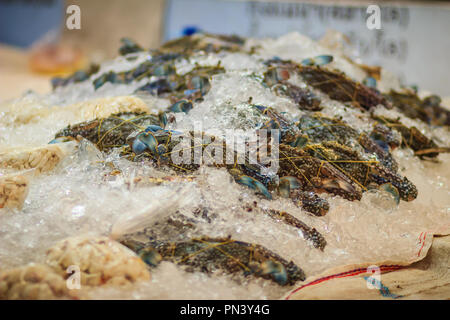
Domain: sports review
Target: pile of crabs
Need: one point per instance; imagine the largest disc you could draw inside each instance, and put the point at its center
(317, 154)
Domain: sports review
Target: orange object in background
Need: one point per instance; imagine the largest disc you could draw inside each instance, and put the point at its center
(56, 59)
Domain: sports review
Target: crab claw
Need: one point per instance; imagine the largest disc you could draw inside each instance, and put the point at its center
(307, 62)
(276, 270)
(153, 128)
(145, 140)
(261, 188)
(317, 61)
(342, 188)
(107, 77)
(392, 190)
(287, 184)
(157, 131)
(199, 83)
(370, 82)
(323, 59)
(150, 256)
(61, 140)
(129, 46)
(251, 183)
(181, 106)
(406, 189)
(162, 119)
(138, 146)
(260, 107)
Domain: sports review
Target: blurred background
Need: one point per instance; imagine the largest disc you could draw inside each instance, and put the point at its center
(38, 39)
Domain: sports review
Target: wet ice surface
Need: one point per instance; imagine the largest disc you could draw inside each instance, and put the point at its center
(81, 197)
(170, 282)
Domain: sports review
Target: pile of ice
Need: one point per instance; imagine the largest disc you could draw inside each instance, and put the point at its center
(76, 198)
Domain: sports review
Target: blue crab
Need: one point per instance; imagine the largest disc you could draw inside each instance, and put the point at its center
(219, 254)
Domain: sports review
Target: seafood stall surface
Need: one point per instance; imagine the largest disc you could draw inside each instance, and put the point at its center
(216, 167)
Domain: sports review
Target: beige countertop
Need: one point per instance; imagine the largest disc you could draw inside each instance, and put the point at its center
(16, 76)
